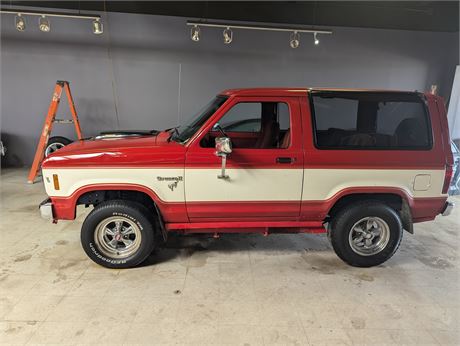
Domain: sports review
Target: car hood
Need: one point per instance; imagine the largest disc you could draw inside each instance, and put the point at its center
(141, 151)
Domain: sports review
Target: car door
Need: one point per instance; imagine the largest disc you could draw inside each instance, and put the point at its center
(265, 168)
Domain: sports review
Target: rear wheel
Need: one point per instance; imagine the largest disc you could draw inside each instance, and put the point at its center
(56, 143)
(366, 234)
(118, 234)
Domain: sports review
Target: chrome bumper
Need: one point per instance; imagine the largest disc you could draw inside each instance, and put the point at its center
(46, 209)
(447, 208)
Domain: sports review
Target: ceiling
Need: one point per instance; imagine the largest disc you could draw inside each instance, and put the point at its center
(401, 15)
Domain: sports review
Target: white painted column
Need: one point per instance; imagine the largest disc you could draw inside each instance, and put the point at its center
(453, 113)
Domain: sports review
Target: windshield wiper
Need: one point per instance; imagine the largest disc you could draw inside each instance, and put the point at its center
(174, 131)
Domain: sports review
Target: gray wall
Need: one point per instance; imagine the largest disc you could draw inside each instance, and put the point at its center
(145, 72)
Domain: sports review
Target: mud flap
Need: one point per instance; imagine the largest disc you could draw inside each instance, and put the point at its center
(163, 230)
(406, 217)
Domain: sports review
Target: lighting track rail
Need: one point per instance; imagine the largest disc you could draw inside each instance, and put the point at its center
(44, 23)
(228, 33)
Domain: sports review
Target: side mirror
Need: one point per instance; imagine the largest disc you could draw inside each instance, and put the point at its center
(223, 148)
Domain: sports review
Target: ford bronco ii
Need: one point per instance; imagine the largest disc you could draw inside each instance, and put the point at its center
(360, 165)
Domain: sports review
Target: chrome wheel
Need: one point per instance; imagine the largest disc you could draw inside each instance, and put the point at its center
(369, 236)
(118, 237)
(52, 148)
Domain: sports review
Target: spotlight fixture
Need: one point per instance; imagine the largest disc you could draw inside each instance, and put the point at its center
(228, 35)
(195, 33)
(44, 24)
(44, 19)
(295, 40)
(315, 37)
(98, 27)
(20, 22)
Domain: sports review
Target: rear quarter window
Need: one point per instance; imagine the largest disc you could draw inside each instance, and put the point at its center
(363, 120)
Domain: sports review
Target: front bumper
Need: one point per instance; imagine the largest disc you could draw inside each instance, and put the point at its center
(447, 208)
(46, 209)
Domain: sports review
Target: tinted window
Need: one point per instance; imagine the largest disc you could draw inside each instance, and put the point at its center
(254, 125)
(243, 114)
(358, 120)
(238, 119)
(283, 116)
(251, 125)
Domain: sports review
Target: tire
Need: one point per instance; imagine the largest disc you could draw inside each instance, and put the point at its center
(55, 143)
(105, 243)
(372, 219)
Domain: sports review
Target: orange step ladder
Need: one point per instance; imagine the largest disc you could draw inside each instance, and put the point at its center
(49, 121)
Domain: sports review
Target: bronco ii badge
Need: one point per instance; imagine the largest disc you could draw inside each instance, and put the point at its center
(175, 181)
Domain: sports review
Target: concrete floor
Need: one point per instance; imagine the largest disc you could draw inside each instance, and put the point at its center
(240, 289)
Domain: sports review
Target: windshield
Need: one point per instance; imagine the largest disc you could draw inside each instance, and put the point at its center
(184, 132)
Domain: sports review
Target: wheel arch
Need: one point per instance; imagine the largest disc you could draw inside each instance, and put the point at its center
(136, 193)
(396, 198)
(93, 194)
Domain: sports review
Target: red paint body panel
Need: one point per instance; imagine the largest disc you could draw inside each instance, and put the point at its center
(248, 227)
(420, 207)
(436, 104)
(264, 230)
(227, 210)
(296, 92)
(245, 224)
(138, 152)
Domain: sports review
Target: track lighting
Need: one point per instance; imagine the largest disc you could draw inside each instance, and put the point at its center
(295, 40)
(195, 33)
(228, 35)
(20, 23)
(98, 27)
(44, 24)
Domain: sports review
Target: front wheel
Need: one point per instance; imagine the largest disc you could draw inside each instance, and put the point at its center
(366, 234)
(118, 234)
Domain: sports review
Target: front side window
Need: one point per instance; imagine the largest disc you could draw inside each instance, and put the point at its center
(254, 125)
(251, 125)
(243, 117)
(366, 120)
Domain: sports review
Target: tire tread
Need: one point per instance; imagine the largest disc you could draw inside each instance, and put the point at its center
(87, 231)
(337, 241)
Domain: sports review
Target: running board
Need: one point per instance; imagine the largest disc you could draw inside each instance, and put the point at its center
(249, 227)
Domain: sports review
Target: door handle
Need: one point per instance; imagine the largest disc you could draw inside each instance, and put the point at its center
(284, 160)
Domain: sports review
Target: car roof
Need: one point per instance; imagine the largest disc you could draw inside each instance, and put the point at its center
(296, 91)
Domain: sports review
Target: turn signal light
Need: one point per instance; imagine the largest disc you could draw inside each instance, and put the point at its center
(56, 182)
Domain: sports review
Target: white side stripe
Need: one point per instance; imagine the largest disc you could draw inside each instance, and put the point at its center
(72, 179)
(246, 184)
(321, 184)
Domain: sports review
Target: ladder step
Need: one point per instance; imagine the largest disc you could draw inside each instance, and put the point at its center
(48, 125)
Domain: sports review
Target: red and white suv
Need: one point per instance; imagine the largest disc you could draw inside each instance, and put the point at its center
(360, 165)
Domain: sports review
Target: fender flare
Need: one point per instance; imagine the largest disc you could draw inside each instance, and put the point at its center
(407, 202)
(65, 207)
